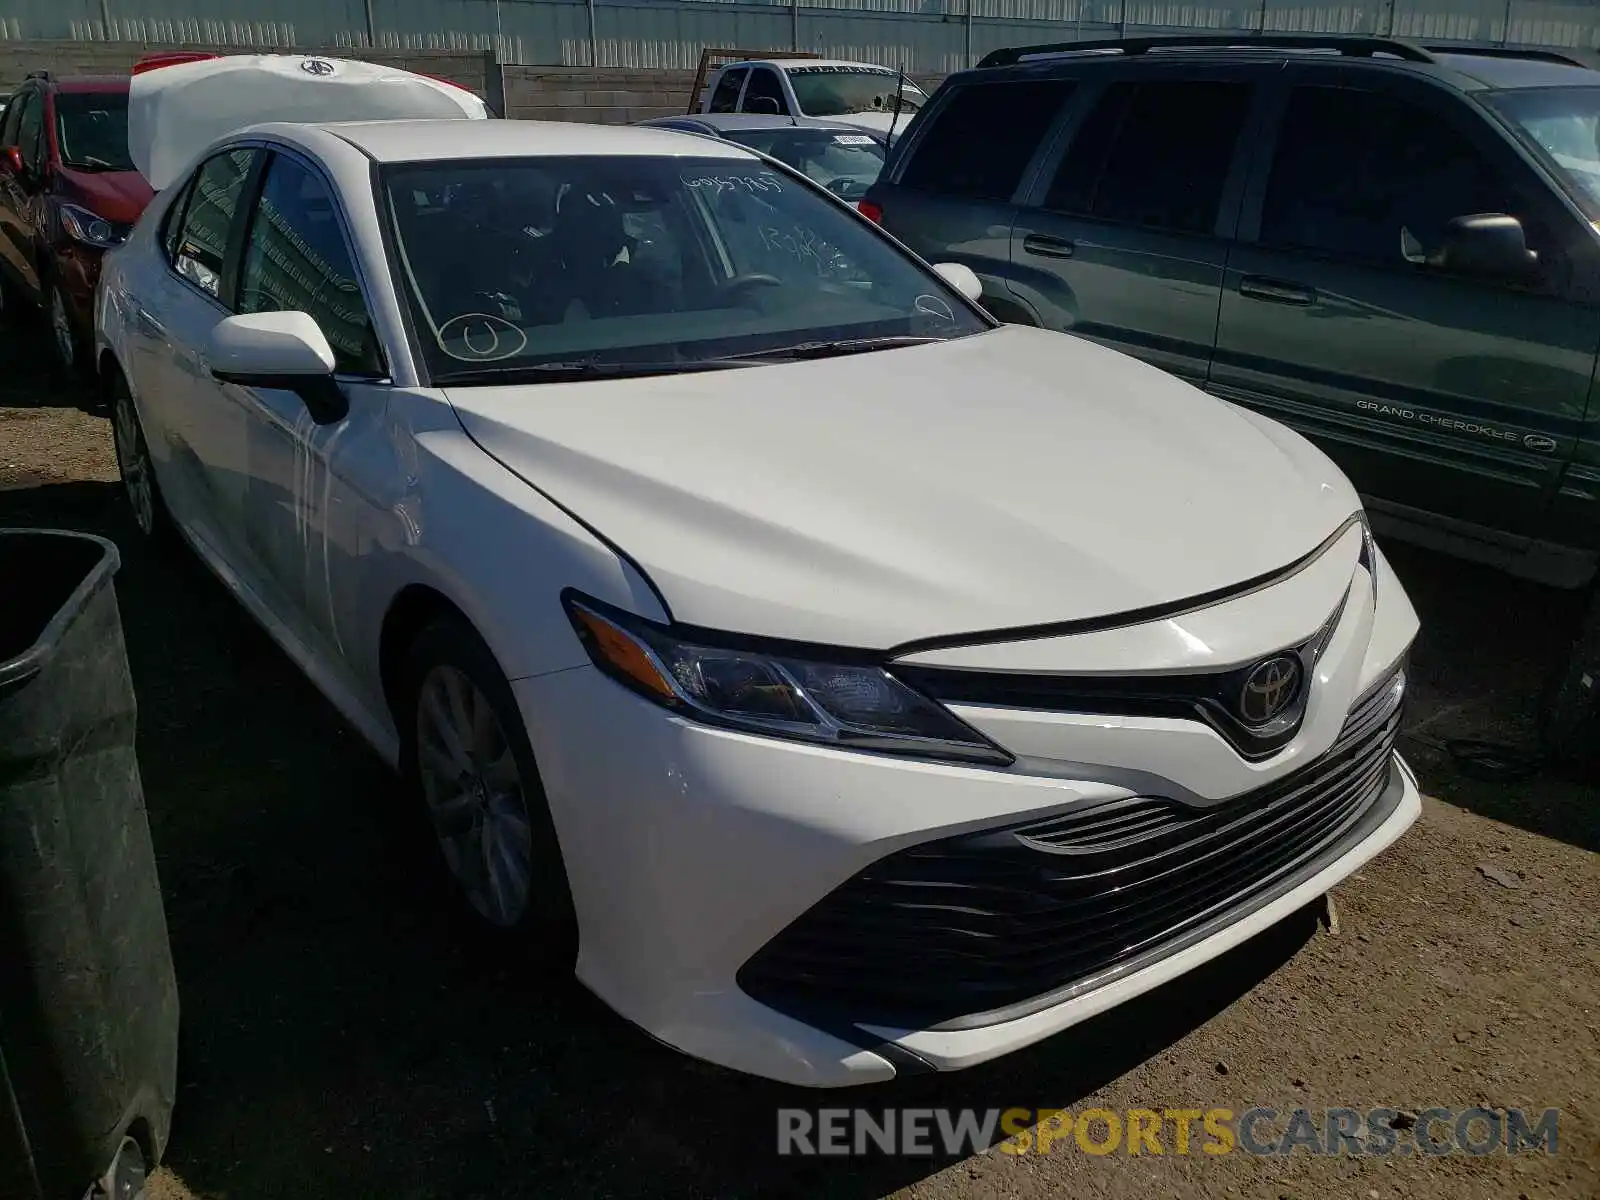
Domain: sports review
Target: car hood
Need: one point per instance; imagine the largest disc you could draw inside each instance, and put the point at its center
(118, 196)
(1011, 478)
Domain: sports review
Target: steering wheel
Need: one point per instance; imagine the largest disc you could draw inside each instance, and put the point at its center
(744, 284)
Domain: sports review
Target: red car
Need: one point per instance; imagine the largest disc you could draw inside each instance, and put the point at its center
(68, 193)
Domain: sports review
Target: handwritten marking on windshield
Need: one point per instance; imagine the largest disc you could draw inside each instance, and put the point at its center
(483, 338)
(734, 183)
(804, 245)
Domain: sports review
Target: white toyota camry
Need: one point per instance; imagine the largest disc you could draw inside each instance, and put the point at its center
(851, 685)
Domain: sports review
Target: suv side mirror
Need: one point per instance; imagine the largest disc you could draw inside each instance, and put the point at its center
(1487, 245)
(286, 350)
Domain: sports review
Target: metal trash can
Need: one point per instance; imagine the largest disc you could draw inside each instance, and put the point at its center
(88, 999)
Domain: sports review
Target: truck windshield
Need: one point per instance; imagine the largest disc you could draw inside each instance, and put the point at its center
(847, 164)
(841, 91)
(1562, 126)
(92, 130)
(599, 264)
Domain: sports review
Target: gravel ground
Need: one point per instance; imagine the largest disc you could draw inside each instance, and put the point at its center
(343, 1038)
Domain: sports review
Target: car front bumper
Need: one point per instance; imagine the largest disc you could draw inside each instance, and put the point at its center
(689, 849)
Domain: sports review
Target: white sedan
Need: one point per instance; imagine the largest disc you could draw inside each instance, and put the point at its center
(848, 684)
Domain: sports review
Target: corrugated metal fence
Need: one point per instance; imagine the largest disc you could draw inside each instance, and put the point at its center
(920, 35)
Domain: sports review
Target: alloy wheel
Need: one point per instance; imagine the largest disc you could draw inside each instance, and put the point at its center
(133, 460)
(474, 795)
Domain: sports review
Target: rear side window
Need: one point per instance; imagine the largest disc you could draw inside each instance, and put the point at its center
(983, 138)
(30, 129)
(202, 248)
(726, 97)
(1156, 155)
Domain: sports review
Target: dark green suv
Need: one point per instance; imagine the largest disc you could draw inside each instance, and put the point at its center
(1393, 249)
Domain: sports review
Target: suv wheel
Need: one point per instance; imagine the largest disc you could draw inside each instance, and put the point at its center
(63, 338)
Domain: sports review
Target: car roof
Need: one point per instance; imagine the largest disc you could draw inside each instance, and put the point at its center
(790, 63)
(1455, 66)
(757, 121)
(410, 141)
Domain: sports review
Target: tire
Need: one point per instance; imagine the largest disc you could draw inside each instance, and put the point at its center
(66, 349)
(139, 485)
(466, 756)
(1570, 720)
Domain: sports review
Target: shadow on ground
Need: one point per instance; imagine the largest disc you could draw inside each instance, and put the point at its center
(344, 1036)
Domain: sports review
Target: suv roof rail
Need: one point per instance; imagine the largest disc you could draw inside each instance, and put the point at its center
(1356, 46)
(1574, 57)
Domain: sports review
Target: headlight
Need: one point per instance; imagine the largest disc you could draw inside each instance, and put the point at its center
(90, 229)
(858, 706)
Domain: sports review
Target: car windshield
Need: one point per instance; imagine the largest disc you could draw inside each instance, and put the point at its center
(847, 164)
(841, 91)
(1561, 125)
(92, 130)
(574, 263)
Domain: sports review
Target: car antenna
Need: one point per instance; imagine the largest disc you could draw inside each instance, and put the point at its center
(899, 99)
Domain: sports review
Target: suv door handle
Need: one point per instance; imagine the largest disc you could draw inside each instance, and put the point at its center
(1259, 287)
(1047, 247)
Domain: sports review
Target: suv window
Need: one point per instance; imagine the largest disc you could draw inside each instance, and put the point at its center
(764, 84)
(726, 97)
(982, 139)
(202, 248)
(1365, 176)
(296, 260)
(1155, 155)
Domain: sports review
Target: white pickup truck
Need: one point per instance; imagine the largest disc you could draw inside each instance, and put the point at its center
(860, 94)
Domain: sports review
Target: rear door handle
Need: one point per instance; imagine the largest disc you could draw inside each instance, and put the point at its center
(1276, 291)
(1047, 247)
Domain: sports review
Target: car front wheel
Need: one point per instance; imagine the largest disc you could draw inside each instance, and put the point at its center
(467, 754)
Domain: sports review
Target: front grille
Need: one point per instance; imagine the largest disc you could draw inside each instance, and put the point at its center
(981, 927)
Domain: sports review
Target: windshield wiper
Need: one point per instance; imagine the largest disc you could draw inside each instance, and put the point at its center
(570, 371)
(834, 348)
(93, 164)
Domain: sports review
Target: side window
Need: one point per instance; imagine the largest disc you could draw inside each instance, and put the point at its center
(30, 127)
(983, 138)
(172, 222)
(1364, 176)
(296, 260)
(726, 98)
(202, 247)
(1155, 155)
(765, 93)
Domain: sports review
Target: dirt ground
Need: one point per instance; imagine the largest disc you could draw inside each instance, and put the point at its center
(342, 1038)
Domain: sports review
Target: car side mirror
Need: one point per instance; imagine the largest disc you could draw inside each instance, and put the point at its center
(961, 277)
(1487, 245)
(765, 105)
(282, 350)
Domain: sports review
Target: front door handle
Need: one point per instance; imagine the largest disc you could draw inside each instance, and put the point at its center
(1046, 246)
(1276, 291)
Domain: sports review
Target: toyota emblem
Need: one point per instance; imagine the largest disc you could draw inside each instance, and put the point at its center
(1269, 689)
(317, 66)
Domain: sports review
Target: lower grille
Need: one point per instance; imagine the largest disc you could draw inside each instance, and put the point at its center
(970, 929)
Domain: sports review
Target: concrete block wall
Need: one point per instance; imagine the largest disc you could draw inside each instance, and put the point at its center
(607, 95)
(472, 69)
